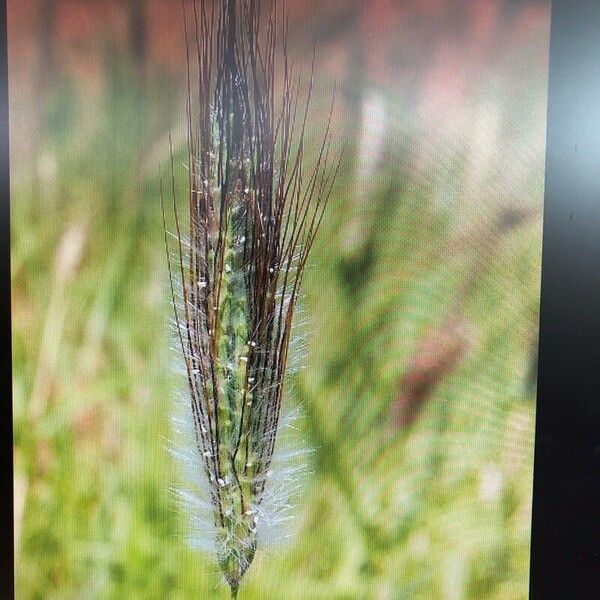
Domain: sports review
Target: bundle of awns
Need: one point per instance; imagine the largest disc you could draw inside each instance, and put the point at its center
(236, 267)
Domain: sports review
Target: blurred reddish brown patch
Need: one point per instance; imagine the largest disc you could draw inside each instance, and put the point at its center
(87, 422)
(394, 33)
(440, 353)
(95, 427)
(44, 457)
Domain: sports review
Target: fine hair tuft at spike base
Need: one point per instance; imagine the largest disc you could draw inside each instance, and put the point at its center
(254, 208)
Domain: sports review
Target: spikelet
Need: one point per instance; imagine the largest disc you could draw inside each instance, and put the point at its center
(254, 211)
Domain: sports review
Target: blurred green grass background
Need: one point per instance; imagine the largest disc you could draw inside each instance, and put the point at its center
(418, 386)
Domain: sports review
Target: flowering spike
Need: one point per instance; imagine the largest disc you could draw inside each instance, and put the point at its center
(253, 213)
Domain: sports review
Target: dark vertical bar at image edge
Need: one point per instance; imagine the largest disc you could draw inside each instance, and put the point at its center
(6, 461)
(565, 541)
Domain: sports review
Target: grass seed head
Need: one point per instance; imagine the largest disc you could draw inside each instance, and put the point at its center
(253, 210)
